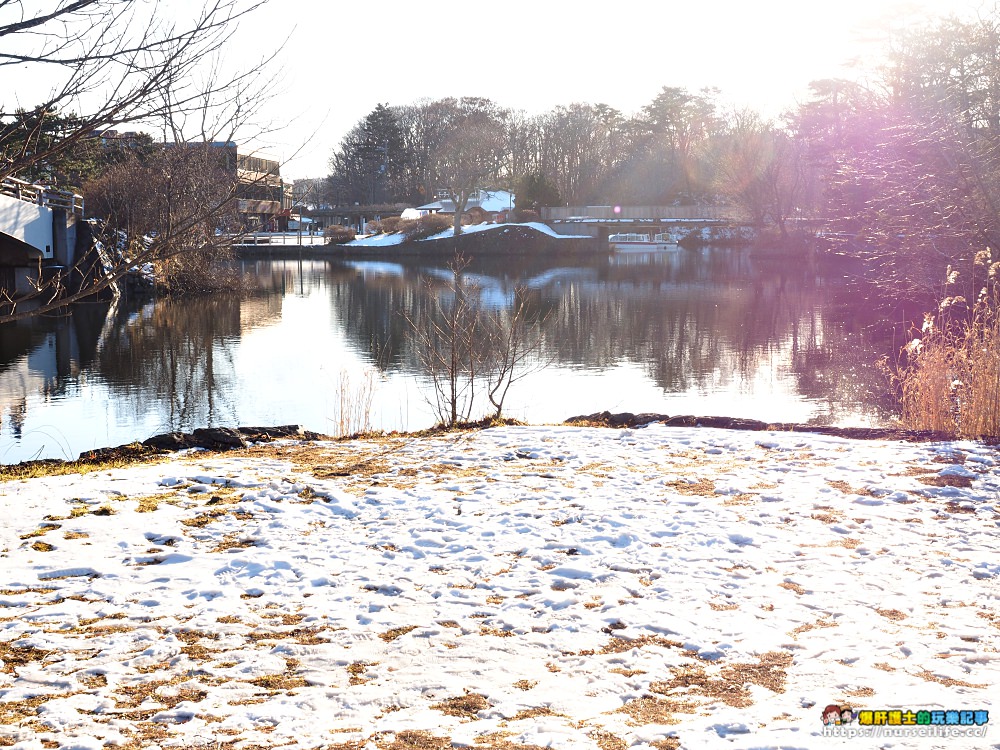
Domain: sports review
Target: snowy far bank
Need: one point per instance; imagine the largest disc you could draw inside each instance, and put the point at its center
(517, 587)
(396, 238)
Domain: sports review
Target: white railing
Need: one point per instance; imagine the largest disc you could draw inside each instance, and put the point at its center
(42, 195)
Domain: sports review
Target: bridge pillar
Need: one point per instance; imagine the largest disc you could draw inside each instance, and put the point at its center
(63, 237)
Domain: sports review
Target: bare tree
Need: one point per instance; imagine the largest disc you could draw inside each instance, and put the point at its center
(466, 349)
(167, 210)
(120, 66)
(117, 62)
(760, 168)
(468, 151)
(513, 349)
(446, 339)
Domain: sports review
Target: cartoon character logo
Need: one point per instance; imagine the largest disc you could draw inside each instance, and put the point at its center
(831, 714)
(846, 715)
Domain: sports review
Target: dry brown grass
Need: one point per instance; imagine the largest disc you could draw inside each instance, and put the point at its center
(41, 530)
(608, 741)
(13, 713)
(278, 682)
(702, 487)
(234, 540)
(730, 686)
(391, 635)
(806, 627)
(125, 456)
(949, 681)
(14, 657)
(651, 710)
(465, 706)
(132, 696)
(203, 519)
(357, 670)
(892, 614)
(620, 645)
(947, 480)
(950, 381)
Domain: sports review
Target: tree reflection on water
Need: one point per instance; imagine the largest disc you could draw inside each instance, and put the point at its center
(694, 324)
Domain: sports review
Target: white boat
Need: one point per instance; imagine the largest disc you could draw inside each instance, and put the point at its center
(634, 241)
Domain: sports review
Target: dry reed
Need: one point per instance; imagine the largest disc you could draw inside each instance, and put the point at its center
(355, 394)
(950, 380)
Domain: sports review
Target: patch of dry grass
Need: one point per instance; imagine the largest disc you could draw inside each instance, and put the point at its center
(120, 458)
(892, 614)
(620, 645)
(391, 635)
(702, 487)
(14, 657)
(947, 480)
(730, 686)
(42, 529)
(949, 681)
(234, 540)
(357, 672)
(465, 706)
(203, 519)
(278, 682)
(650, 710)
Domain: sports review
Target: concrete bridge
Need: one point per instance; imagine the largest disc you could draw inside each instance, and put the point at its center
(37, 224)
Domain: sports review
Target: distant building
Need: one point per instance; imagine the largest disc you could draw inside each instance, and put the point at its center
(493, 202)
(263, 201)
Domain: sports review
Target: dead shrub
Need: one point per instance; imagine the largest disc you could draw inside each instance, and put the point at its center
(338, 235)
(390, 224)
(424, 227)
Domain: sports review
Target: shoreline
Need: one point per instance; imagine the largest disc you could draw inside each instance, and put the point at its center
(222, 439)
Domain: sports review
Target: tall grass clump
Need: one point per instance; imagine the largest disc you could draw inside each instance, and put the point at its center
(949, 374)
(353, 406)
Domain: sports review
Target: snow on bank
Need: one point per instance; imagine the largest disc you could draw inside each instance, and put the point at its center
(542, 586)
(386, 240)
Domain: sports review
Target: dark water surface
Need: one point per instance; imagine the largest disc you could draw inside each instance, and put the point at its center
(690, 332)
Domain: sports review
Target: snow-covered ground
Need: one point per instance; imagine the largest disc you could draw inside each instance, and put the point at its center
(563, 587)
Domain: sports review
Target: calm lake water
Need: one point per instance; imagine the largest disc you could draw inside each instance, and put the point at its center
(709, 332)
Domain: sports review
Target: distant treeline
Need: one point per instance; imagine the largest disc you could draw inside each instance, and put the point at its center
(907, 161)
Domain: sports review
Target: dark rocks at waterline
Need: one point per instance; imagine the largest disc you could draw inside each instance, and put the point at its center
(225, 438)
(627, 419)
(210, 438)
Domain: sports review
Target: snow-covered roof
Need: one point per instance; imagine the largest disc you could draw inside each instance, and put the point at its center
(491, 201)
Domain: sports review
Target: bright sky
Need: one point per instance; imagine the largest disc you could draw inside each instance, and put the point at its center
(342, 59)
